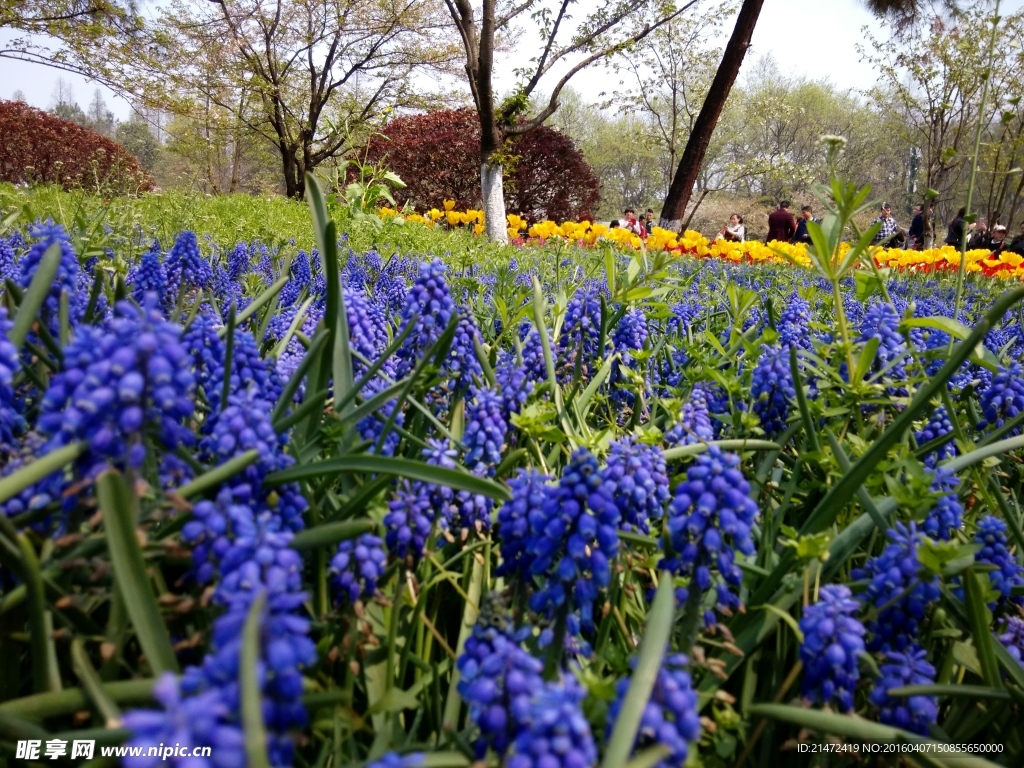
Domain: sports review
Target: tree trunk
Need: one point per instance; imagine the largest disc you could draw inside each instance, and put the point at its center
(292, 181)
(673, 210)
(493, 192)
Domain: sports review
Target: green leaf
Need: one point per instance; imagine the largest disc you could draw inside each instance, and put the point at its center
(979, 618)
(214, 477)
(641, 683)
(787, 617)
(801, 401)
(264, 298)
(42, 706)
(726, 445)
(32, 473)
(328, 248)
(865, 359)
(394, 700)
(391, 465)
(118, 505)
(583, 404)
(329, 534)
(13, 728)
(868, 284)
(960, 463)
(650, 757)
(35, 296)
(952, 691)
(91, 683)
(840, 494)
(251, 695)
(17, 553)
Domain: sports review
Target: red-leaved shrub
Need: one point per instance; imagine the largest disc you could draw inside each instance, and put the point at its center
(36, 146)
(437, 154)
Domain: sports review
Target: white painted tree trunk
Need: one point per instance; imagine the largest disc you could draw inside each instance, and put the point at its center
(493, 190)
(673, 225)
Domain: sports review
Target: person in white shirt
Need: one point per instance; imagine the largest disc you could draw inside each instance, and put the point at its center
(734, 230)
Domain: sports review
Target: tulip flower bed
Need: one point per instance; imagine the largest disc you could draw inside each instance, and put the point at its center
(1005, 266)
(606, 509)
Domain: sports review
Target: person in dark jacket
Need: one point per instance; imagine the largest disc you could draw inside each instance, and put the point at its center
(1017, 244)
(802, 235)
(980, 238)
(781, 224)
(957, 229)
(915, 235)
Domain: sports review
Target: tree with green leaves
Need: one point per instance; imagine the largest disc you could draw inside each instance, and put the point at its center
(666, 77)
(304, 75)
(50, 31)
(931, 77)
(136, 136)
(566, 44)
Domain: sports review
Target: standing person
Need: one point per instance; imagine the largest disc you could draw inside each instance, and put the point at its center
(802, 235)
(889, 226)
(957, 229)
(650, 220)
(734, 231)
(781, 224)
(915, 235)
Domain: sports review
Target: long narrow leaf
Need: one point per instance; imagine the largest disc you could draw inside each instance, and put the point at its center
(329, 534)
(118, 503)
(258, 303)
(33, 472)
(214, 477)
(979, 618)
(641, 684)
(391, 465)
(34, 298)
(840, 493)
(251, 695)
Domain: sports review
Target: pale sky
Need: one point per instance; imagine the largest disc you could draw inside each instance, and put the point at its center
(811, 38)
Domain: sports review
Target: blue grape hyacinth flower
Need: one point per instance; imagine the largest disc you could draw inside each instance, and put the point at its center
(529, 489)
(497, 681)
(573, 539)
(709, 520)
(671, 716)
(772, 388)
(639, 476)
(833, 643)
(898, 586)
(947, 514)
(1012, 638)
(119, 380)
(150, 277)
(556, 733)
(66, 280)
(186, 266)
(356, 567)
(938, 426)
(11, 421)
(995, 551)
(909, 713)
(1003, 399)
